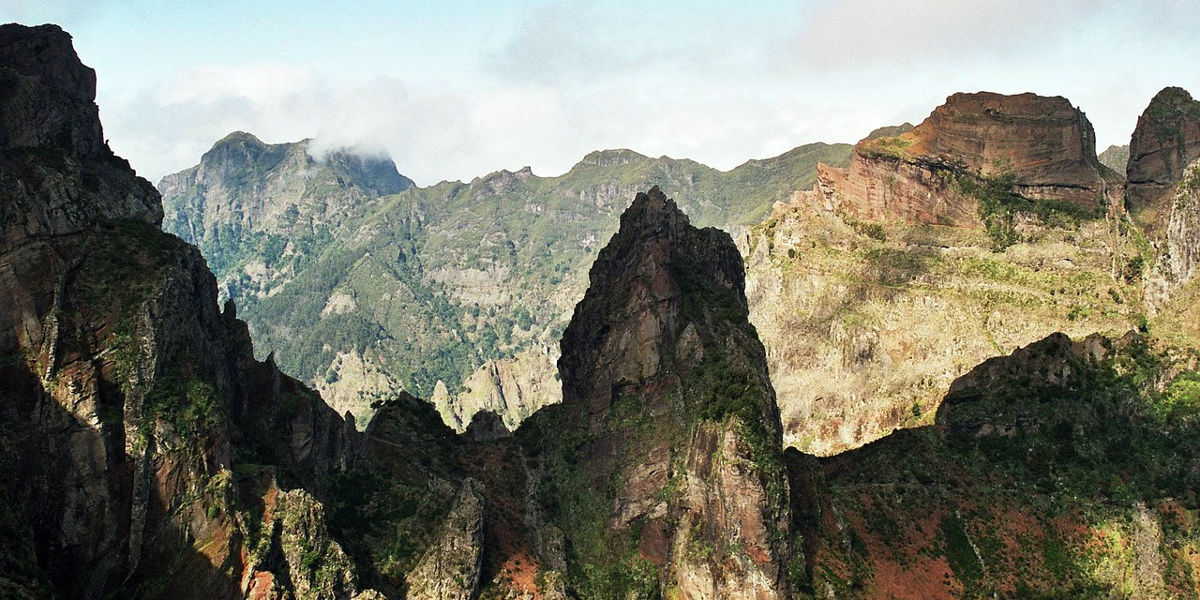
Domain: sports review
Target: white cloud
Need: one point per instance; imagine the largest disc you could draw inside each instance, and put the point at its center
(719, 87)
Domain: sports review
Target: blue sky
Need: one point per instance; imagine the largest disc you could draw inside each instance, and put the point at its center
(453, 90)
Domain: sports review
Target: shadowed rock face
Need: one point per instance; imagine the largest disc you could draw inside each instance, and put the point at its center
(127, 395)
(56, 172)
(1047, 146)
(663, 461)
(1166, 140)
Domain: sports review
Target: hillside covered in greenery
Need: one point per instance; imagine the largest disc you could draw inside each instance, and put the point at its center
(430, 284)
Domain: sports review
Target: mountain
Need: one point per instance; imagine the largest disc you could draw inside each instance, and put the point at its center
(662, 466)
(871, 304)
(1059, 471)
(986, 227)
(148, 454)
(455, 292)
(145, 452)
(1043, 147)
(1165, 141)
(258, 211)
(1115, 158)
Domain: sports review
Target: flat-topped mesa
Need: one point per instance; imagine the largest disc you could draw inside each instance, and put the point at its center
(666, 393)
(1045, 145)
(1165, 141)
(58, 174)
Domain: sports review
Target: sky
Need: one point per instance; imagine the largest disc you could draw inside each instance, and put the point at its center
(455, 90)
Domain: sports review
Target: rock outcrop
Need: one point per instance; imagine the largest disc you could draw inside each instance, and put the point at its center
(57, 174)
(1046, 146)
(1177, 261)
(451, 567)
(512, 388)
(1183, 228)
(258, 210)
(662, 464)
(470, 284)
(1165, 141)
(1051, 472)
(870, 305)
(129, 398)
(242, 183)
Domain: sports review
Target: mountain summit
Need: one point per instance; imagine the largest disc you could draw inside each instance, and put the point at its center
(1043, 148)
(663, 464)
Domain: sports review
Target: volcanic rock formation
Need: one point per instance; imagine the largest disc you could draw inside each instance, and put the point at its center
(128, 396)
(662, 466)
(1165, 142)
(1045, 145)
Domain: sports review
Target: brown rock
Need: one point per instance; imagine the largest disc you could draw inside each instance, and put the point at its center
(668, 426)
(1045, 144)
(127, 393)
(1166, 140)
(450, 569)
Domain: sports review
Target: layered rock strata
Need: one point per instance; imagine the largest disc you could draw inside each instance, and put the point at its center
(1046, 146)
(1165, 141)
(130, 399)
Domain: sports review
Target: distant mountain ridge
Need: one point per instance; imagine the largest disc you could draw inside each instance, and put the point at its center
(496, 262)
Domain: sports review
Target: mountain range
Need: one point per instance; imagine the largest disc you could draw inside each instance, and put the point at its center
(959, 362)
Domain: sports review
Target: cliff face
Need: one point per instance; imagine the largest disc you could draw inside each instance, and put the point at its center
(1165, 141)
(129, 398)
(1046, 146)
(243, 183)
(866, 325)
(662, 464)
(257, 210)
(870, 304)
(58, 175)
(1115, 158)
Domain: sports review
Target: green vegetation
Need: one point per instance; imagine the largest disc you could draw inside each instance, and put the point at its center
(1040, 480)
(960, 552)
(895, 147)
(1000, 204)
(449, 276)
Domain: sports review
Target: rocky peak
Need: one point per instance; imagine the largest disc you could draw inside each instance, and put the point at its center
(499, 182)
(646, 268)
(665, 391)
(1044, 144)
(60, 174)
(375, 173)
(890, 131)
(127, 391)
(1043, 141)
(272, 201)
(1165, 141)
(40, 63)
(1116, 158)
